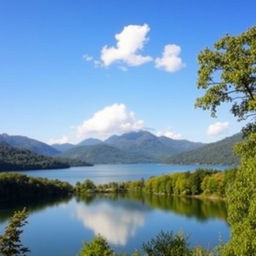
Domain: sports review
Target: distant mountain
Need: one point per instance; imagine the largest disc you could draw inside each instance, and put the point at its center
(63, 147)
(23, 142)
(146, 143)
(104, 154)
(90, 142)
(21, 159)
(217, 153)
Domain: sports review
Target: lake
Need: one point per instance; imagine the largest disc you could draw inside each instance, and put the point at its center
(114, 172)
(58, 228)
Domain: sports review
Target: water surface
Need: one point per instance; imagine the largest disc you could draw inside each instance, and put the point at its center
(58, 228)
(115, 172)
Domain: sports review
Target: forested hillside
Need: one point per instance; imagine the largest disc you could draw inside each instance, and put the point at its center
(20, 159)
(216, 153)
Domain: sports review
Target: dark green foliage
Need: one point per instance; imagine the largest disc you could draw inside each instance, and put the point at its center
(217, 153)
(10, 242)
(23, 142)
(167, 244)
(21, 159)
(14, 186)
(86, 187)
(97, 247)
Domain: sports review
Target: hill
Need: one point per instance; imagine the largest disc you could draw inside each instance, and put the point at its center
(63, 147)
(217, 153)
(90, 142)
(104, 154)
(23, 142)
(146, 143)
(21, 159)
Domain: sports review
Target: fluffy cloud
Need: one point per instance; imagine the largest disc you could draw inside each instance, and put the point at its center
(217, 128)
(129, 42)
(116, 224)
(170, 60)
(62, 140)
(170, 134)
(115, 119)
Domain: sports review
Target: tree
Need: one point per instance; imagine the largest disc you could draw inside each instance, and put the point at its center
(167, 244)
(10, 243)
(228, 74)
(98, 246)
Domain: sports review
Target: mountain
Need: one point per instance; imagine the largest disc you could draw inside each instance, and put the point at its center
(63, 147)
(143, 142)
(217, 153)
(23, 142)
(104, 154)
(90, 142)
(21, 159)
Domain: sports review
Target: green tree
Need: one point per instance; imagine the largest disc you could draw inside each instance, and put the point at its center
(228, 74)
(98, 246)
(10, 243)
(167, 244)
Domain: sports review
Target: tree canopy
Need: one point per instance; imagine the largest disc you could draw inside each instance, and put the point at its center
(228, 74)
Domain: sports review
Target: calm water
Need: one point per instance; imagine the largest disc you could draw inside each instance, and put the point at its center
(59, 228)
(118, 172)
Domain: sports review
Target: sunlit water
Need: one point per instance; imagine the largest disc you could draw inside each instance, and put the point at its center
(58, 228)
(114, 172)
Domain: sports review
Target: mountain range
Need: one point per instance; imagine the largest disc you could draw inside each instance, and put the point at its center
(133, 147)
(217, 153)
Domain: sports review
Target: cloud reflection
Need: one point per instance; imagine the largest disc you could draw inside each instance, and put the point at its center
(114, 222)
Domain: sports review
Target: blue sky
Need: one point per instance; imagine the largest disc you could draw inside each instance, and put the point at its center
(49, 91)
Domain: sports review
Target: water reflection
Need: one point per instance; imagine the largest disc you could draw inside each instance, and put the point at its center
(116, 221)
(119, 217)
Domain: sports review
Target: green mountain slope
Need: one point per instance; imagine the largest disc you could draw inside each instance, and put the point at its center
(104, 154)
(146, 143)
(63, 147)
(21, 159)
(23, 142)
(216, 153)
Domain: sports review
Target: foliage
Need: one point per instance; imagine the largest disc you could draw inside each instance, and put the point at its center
(98, 246)
(18, 186)
(233, 64)
(217, 153)
(10, 242)
(21, 159)
(167, 244)
(228, 75)
(242, 203)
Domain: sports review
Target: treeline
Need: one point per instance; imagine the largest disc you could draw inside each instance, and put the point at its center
(14, 186)
(200, 182)
(21, 159)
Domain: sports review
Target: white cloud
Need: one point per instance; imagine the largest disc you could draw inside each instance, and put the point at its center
(217, 128)
(129, 42)
(114, 119)
(169, 134)
(170, 60)
(62, 140)
(88, 57)
(116, 224)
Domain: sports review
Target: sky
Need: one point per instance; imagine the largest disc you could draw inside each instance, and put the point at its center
(71, 70)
